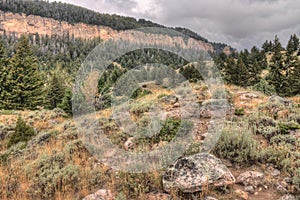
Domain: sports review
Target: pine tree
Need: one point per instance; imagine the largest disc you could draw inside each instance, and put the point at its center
(267, 46)
(55, 91)
(293, 45)
(25, 83)
(22, 133)
(241, 73)
(66, 103)
(278, 69)
(294, 80)
(3, 74)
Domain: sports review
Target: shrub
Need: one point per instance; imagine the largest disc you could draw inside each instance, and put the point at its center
(22, 133)
(264, 87)
(50, 175)
(267, 131)
(279, 155)
(239, 111)
(285, 128)
(138, 93)
(296, 178)
(162, 96)
(221, 93)
(283, 139)
(237, 145)
(139, 108)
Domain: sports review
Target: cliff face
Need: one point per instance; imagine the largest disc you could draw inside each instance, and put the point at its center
(22, 24)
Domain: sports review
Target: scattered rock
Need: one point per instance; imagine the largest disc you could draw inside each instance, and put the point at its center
(100, 195)
(281, 188)
(189, 174)
(170, 99)
(276, 172)
(242, 194)
(249, 189)
(278, 99)
(210, 198)
(129, 144)
(288, 197)
(158, 196)
(248, 96)
(251, 178)
(287, 180)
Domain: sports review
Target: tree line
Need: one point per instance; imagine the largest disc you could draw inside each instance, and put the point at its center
(40, 70)
(271, 69)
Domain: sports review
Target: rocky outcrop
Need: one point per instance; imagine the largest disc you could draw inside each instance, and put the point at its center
(22, 24)
(190, 174)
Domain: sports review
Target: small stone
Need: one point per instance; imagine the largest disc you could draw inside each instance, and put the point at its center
(281, 188)
(210, 198)
(129, 144)
(276, 172)
(242, 194)
(251, 178)
(249, 189)
(157, 196)
(288, 197)
(100, 195)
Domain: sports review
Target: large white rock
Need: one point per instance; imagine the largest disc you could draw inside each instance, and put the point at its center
(189, 174)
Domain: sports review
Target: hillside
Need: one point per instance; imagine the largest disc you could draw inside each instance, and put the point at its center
(146, 115)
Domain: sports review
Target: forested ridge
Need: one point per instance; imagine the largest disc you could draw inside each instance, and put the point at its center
(273, 69)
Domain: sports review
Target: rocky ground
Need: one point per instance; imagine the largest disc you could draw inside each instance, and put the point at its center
(256, 157)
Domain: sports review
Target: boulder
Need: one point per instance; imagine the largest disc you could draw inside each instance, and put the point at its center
(189, 174)
(251, 178)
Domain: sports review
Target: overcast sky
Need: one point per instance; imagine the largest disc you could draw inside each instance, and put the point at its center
(240, 23)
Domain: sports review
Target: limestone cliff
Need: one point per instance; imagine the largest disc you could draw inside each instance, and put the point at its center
(22, 24)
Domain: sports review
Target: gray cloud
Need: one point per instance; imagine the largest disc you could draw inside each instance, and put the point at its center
(240, 23)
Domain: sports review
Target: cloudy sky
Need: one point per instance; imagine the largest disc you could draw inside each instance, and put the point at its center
(240, 23)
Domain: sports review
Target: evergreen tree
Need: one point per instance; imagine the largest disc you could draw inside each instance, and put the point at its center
(55, 91)
(66, 103)
(3, 73)
(293, 45)
(22, 133)
(294, 79)
(25, 86)
(267, 46)
(241, 74)
(278, 69)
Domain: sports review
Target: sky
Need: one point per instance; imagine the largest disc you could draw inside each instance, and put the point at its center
(239, 23)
